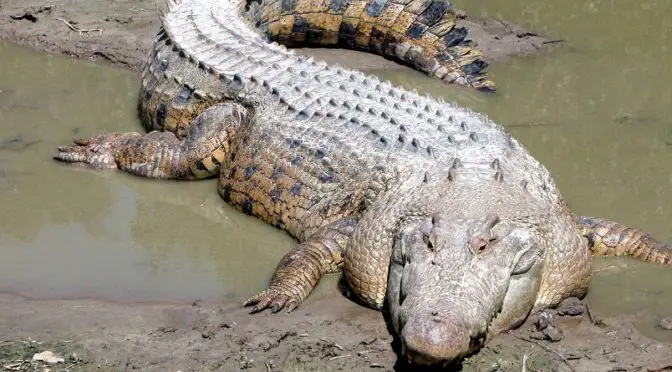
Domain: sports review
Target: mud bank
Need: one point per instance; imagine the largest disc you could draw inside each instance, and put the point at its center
(121, 32)
(326, 334)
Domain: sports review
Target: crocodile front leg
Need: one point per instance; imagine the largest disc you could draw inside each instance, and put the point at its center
(160, 154)
(299, 271)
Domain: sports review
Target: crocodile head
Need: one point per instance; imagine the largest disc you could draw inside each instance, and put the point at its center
(455, 282)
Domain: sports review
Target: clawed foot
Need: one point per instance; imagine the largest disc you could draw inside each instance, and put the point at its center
(97, 151)
(273, 298)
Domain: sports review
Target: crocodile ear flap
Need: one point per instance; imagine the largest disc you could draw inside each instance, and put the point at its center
(399, 249)
(530, 251)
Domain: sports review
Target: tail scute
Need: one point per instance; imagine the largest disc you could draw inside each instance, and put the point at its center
(421, 33)
(610, 238)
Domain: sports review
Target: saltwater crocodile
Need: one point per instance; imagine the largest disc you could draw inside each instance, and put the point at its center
(433, 212)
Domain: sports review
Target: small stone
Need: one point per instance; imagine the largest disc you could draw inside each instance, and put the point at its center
(552, 334)
(665, 323)
(48, 357)
(571, 307)
(543, 320)
(208, 334)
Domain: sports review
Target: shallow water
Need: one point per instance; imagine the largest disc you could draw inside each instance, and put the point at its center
(595, 110)
(70, 232)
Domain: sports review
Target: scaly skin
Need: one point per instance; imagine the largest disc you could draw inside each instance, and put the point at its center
(610, 238)
(419, 33)
(369, 178)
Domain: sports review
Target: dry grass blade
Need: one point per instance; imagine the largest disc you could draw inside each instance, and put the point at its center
(562, 357)
(340, 357)
(81, 30)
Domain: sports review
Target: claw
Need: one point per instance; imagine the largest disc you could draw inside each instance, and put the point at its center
(291, 306)
(272, 299)
(97, 152)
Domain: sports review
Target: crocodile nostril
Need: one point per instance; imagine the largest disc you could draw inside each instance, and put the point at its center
(435, 313)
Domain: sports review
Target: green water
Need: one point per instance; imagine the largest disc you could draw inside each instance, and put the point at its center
(69, 232)
(596, 110)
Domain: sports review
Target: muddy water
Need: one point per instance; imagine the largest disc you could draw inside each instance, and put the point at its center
(595, 110)
(66, 232)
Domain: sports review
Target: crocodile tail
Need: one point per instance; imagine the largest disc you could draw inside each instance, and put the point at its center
(610, 238)
(420, 33)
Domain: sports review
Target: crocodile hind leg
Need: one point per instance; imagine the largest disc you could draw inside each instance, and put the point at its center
(161, 154)
(299, 271)
(610, 238)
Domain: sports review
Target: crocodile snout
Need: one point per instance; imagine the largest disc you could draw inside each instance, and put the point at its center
(435, 340)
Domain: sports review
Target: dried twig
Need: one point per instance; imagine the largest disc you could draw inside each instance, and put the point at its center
(340, 357)
(562, 357)
(339, 347)
(16, 365)
(524, 369)
(590, 314)
(81, 30)
(66, 369)
(553, 41)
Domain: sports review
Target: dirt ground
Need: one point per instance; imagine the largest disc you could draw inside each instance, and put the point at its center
(328, 333)
(121, 31)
